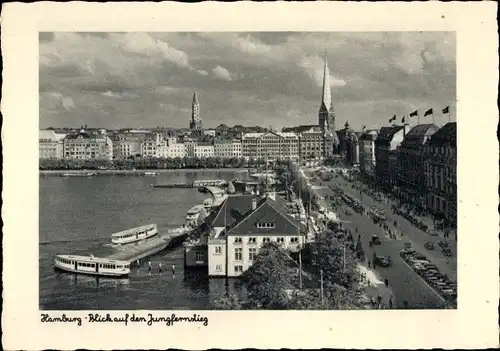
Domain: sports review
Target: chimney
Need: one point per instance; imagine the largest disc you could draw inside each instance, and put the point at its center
(254, 203)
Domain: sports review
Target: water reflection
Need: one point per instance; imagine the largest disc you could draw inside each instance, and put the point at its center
(87, 281)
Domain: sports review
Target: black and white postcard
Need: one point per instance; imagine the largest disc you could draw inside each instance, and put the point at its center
(207, 175)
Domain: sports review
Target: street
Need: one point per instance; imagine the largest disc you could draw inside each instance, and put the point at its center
(406, 284)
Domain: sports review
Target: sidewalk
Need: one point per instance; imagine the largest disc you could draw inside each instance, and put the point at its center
(373, 287)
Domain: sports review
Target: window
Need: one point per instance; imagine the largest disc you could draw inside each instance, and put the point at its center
(237, 240)
(266, 240)
(200, 257)
(265, 225)
(218, 250)
(218, 268)
(238, 269)
(238, 254)
(280, 240)
(252, 252)
(252, 240)
(294, 240)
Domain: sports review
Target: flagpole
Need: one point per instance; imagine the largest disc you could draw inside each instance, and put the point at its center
(433, 117)
(418, 118)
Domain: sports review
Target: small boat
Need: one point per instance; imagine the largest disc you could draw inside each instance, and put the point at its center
(135, 234)
(92, 265)
(207, 204)
(202, 183)
(85, 174)
(152, 174)
(179, 230)
(193, 214)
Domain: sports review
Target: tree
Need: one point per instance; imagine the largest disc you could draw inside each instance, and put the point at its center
(266, 280)
(327, 254)
(227, 302)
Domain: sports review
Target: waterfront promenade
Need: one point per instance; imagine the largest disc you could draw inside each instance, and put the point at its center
(138, 172)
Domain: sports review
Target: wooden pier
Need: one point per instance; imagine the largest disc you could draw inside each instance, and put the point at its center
(132, 253)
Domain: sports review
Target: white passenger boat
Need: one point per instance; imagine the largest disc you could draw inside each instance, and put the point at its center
(207, 204)
(92, 265)
(135, 234)
(193, 214)
(152, 174)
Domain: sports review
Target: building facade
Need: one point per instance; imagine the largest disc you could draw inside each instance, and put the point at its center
(411, 156)
(367, 160)
(271, 146)
(227, 148)
(128, 144)
(86, 146)
(196, 122)
(441, 173)
(386, 156)
(170, 147)
(204, 150)
(241, 225)
(50, 144)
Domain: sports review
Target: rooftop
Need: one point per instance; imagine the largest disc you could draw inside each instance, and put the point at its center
(419, 134)
(387, 133)
(446, 135)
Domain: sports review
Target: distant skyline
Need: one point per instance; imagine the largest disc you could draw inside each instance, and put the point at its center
(129, 80)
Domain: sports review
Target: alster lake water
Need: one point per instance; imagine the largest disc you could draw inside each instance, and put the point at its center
(77, 216)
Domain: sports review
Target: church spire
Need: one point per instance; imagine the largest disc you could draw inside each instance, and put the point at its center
(195, 98)
(326, 98)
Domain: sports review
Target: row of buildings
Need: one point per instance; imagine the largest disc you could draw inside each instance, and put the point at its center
(417, 165)
(307, 146)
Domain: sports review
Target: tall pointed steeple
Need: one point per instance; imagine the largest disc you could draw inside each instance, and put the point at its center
(196, 122)
(326, 98)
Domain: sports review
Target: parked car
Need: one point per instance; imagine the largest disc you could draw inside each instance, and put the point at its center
(429, 245)
(383, 261)
(442, 243)
(376, 240)
(447, 252)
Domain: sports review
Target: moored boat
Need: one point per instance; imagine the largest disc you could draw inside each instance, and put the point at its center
(135, 234)
(207, 204)
(84, 174)
(152, 174)
(92, 265)
(193, 214)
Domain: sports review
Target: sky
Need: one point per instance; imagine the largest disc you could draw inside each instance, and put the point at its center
(270, 79)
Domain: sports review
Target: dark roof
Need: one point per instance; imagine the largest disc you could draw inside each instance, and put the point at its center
(419, 134)
(446, 135)
(387, 133)
(267, 211)
(236, 214)
(85, 136)
(231, 211)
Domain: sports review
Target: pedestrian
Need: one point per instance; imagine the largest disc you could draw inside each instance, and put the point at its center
(379, 299)
(149, 266)
(138, 264)
(159, 266)
(390, 303)
(173, 269)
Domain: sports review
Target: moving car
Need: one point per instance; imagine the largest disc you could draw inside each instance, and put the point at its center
(429, 245)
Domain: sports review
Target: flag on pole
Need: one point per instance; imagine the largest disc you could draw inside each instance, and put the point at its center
(414, 113)
(392, 119)
(403, 119)
(446, 110)
(428, 112)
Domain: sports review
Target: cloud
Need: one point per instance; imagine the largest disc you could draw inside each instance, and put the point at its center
(119, 80)
(220, 72)
(314, 67)
(118, 95)
(65, 102)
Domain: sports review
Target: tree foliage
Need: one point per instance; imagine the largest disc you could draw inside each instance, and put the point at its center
(137, 162)
(267, 279)
(227, 302)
